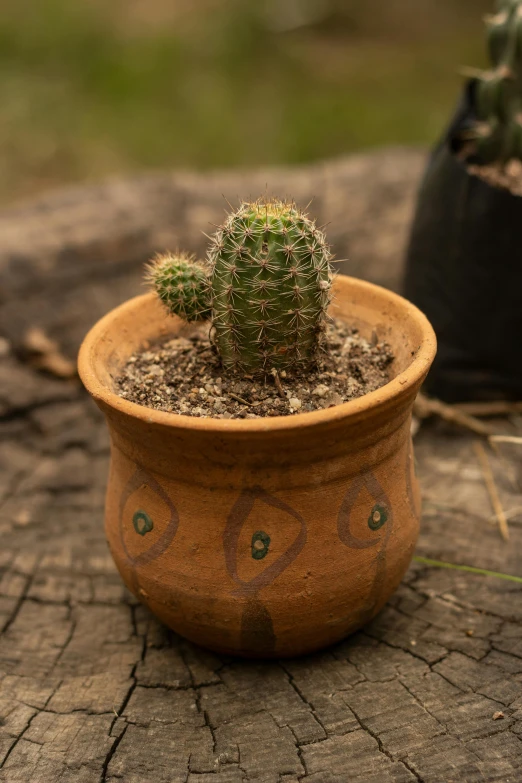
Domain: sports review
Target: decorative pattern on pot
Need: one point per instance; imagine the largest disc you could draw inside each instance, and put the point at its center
(257, 631)
(379, 519)
(144, 541)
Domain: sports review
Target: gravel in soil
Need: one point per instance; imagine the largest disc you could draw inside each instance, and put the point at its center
(184, 375)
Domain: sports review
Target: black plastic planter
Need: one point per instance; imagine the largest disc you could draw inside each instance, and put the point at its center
(464, 270)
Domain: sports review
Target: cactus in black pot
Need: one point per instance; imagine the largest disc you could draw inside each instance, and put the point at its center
(463, 263)
(495, 135)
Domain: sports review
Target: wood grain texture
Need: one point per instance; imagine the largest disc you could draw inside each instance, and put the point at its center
(94, 690)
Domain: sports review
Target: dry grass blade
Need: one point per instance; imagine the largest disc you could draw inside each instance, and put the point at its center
(506, 439)
(492, 490)
(426, 406)
(510, 514)
(470, 569)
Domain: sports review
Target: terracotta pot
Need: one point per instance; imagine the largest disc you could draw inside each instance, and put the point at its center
(263, 537)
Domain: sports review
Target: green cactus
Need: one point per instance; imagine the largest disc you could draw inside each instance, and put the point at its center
(497, 93)
(268, 288)
(182, 284)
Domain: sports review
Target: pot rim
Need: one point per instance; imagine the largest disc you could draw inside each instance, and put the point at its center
(398, 387)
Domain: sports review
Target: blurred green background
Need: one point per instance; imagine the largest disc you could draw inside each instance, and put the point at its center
(96, 87)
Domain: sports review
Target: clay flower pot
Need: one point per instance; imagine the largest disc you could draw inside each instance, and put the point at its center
(263, 537)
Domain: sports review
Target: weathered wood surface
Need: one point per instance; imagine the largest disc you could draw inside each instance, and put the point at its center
(72, 255)
(92, 688)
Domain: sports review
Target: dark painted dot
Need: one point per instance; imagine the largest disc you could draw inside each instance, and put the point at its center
(260, 544)
(142, 523)
(378, 516)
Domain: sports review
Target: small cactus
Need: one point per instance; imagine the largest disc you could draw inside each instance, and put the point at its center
(267, 288)
(496, 133)
(182, 285)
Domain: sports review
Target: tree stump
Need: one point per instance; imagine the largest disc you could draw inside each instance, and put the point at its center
(92, 687)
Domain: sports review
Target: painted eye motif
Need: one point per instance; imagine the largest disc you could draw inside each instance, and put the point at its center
(143, 524)
(283, 540)
(378, 516)
(380, 513)
(142, 539)
(288, 538)
(260, 545)
(353, 511)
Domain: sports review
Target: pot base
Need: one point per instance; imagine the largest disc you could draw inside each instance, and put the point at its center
(258, 576)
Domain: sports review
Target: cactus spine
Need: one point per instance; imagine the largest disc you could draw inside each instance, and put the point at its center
(268, 288)
(497, 93)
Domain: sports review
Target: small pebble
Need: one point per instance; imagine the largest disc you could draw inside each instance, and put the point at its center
(333, 398)
(321, 390)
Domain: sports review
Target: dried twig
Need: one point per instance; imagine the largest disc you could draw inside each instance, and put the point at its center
(510, 469)
(492, 490)
(426, 406)
(45, 354)
(278, 384)
(494, 408)
(238, 398)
